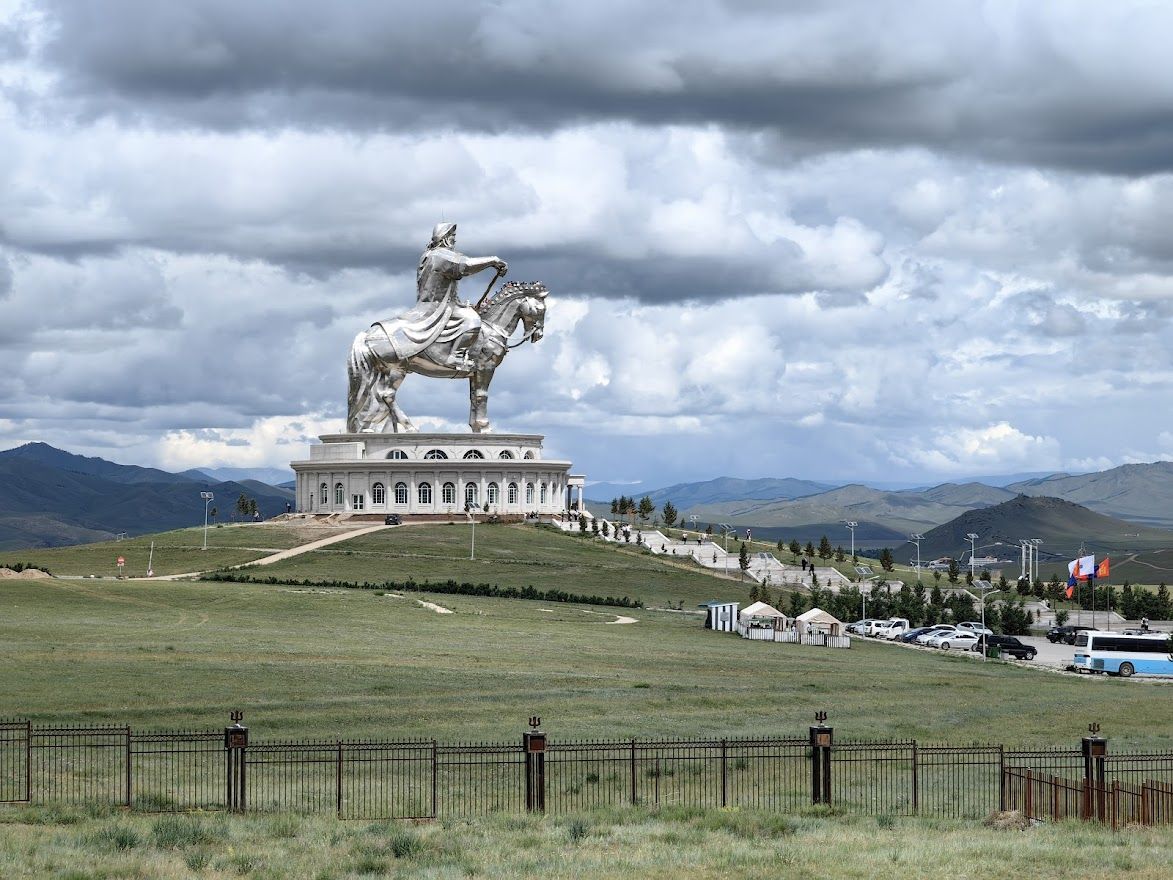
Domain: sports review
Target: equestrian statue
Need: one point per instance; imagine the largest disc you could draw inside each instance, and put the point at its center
(442, 337)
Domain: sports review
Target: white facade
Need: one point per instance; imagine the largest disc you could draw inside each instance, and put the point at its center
(432, 474)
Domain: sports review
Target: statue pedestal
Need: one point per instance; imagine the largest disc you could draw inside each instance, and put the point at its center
(433, 476)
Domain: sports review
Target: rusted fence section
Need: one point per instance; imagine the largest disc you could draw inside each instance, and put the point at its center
(359, 779)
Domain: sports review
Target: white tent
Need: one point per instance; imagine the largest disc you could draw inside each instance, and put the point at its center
(819, 621)
(760, 610)
(759, 621)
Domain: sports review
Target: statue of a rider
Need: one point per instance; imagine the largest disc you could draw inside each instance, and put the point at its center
(439, 316)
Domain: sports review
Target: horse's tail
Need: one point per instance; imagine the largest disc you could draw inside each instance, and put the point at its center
(360, 374)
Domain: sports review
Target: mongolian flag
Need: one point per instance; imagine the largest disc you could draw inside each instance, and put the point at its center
(1102, 568)
(1070, 588)
(1081, 569)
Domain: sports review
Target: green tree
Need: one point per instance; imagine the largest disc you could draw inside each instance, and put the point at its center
(764, 595)
(252, 508)
(797, 604)
(743, 559)
(954, 571)
(810, 551)
(754, 594)
(668, 514)
(582, 523)
(795, 548)
(614, 507)
(605, 529)
(646, 508)
(212, 513)
(839, 556)
(242, 505)
(595, 526)
(825, 551)
(886, 561)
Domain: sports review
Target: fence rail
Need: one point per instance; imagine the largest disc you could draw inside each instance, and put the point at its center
(361, 779)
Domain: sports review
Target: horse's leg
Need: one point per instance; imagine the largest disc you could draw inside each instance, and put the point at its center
(478, 393)
(398, 420)
(363, 376)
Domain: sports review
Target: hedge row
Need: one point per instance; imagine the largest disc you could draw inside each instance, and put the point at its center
(449, 587)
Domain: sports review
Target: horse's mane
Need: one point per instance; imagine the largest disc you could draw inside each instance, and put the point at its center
(512, 290)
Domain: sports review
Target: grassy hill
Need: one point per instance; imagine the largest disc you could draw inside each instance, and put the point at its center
(1141, 493)
(1139, 553)
(54, 498)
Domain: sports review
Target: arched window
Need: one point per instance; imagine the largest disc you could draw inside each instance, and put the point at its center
(401, 493)
(529, 493)
(474, 453)
(528, 455)
(433, 454)
(494, 493)
(512, 495)
(378, 494)
(505, 453)
(339, 495)
(543, 493)
(424, 493)
(470, 493)
(323, 494)
(397, 454)
(448, 493)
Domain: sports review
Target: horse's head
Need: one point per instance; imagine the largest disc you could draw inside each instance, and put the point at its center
(523, 302)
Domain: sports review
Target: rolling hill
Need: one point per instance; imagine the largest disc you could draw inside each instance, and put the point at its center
(1141, 493)
(53, 498)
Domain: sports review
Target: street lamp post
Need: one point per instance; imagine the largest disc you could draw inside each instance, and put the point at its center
(726, 528)
(851, 525)
(971, 537)
(472, 546)
(916, 539)
(692, 518)
(207, 496)
(1035, 555)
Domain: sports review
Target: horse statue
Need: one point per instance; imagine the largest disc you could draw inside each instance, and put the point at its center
(376, 371)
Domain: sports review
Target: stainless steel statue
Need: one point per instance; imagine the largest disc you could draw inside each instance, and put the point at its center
(441, 337)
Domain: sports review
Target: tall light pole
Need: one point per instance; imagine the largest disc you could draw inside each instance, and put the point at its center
(1025, 544)
(851, 525)
(1035, 554)
(207, 496)
(916, 539)
(726, 528)
(971, 537)
(472, 546)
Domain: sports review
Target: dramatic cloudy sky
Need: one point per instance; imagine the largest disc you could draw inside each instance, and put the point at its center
(853, 240)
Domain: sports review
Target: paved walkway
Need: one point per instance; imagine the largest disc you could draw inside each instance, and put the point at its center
(282, 554)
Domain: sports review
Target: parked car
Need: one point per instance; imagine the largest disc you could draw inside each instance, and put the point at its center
(860, 627)
(975, 627)
(1064, 634)
(891, 628)
(910, 635)
(392, 519)
(959, 638)
(923, 638)
(1008, 645)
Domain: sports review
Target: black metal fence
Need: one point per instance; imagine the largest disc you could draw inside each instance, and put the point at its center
(360, 779)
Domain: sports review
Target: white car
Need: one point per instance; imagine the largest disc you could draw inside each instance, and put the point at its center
(959, 639)
(924, 637)
(974, 627)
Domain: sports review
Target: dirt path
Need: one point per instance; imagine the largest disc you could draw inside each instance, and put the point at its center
(282, 554)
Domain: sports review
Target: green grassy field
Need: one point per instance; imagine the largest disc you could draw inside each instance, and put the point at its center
(513, 556)
(350, 663)
(37, 843)
(176, 552)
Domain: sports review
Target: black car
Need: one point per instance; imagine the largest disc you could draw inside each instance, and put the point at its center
(1009, 645)
(392, 519)
(1064, 634)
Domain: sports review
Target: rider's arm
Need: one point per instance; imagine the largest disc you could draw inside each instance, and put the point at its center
(472, 265)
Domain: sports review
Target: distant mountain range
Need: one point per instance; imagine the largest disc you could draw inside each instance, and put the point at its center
(1140, 493)
(52, 498)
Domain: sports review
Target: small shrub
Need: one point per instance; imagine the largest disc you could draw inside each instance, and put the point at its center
(405, 844)
(176, 832)
(197, 860)
(591, 778)
(886, 822)
(284, 827)
(578, 830)
(116, 837)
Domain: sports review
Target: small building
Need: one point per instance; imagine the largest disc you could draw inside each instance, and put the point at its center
(818, 620)
(760, 621)
(720, 616)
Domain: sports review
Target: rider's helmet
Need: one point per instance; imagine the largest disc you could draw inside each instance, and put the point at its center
(440, 231)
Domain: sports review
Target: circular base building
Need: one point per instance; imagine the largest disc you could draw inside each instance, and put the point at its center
(434, 476)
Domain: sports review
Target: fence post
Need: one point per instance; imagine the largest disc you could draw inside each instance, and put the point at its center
(915, 779)
(634, 790)
(338, 780)
(724, 772)
(821, 738)
(1002, 778)
(435, 758)
(129, 783)
(235, 744)
(534, 743)
(1028, 796)
(1095, 753)
(28, 760)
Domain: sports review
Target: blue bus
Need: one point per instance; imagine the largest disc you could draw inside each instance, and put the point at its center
(1123, 655)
